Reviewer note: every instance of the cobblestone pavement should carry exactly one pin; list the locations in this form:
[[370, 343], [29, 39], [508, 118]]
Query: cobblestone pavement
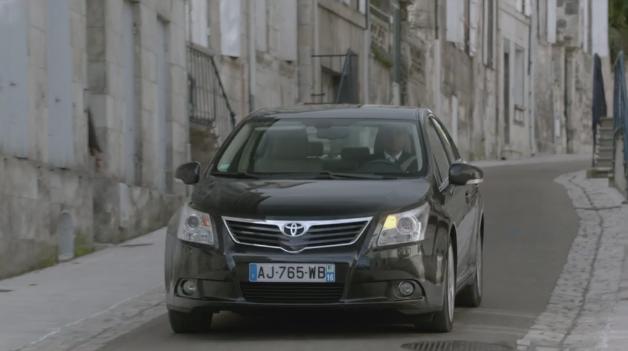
[[588, 308]]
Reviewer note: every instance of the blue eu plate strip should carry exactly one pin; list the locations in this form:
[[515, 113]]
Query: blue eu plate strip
[[252, 272]]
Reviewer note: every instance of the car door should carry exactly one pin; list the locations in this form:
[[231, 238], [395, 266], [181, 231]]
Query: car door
[[468, 202], [453, 197]]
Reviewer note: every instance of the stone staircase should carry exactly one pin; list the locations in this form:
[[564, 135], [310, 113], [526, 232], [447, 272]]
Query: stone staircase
[[603, 154]]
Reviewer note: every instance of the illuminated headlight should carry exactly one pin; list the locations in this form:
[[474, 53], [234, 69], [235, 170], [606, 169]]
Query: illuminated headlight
[[196, 227], [404, 227]]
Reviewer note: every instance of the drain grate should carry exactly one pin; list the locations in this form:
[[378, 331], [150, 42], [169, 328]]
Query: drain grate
[[5, 290], [454, 345]]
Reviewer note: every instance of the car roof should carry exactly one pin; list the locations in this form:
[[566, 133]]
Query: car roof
[[341, 111]]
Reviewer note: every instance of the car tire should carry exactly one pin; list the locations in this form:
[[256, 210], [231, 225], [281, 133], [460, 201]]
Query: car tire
[[184, 323], [471, 295], [443, 320]]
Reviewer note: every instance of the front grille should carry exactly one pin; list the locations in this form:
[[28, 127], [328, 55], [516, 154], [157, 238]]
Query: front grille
[[317, 234], [291, 293]]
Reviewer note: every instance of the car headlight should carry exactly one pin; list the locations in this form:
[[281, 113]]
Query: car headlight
[[404, 227], [196, 226]]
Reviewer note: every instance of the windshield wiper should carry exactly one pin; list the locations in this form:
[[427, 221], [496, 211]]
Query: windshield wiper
[[245, 175], [337, 175]]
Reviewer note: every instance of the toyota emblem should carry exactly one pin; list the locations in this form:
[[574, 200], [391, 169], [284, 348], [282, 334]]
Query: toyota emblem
[[294, 229]]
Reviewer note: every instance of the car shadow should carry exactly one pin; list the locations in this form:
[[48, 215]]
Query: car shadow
[[308, 324]]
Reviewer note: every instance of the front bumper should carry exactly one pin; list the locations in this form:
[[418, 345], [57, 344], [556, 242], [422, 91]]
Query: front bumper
[[365, 278]]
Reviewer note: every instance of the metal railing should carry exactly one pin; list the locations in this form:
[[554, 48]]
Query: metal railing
[[208, 104]]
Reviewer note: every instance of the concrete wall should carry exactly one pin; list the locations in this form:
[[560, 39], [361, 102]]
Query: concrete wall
[[56, 199]]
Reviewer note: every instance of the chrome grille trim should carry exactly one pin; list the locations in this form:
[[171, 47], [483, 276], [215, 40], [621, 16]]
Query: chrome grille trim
[[270, 230]]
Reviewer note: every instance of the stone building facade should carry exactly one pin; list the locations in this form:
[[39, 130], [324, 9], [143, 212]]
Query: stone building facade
[[92, 122], [510, 78]]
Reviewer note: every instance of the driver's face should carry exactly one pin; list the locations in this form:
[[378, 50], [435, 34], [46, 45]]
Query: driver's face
[[395, 141]]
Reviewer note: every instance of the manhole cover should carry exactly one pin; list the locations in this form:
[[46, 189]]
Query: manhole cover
[[454, 345]]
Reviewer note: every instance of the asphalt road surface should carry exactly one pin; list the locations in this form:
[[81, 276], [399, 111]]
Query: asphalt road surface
[[530, 224]]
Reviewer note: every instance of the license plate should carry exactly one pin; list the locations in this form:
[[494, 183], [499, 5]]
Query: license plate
[[292, 272]]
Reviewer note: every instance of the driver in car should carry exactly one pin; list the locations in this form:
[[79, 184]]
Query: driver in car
[[396, 143]]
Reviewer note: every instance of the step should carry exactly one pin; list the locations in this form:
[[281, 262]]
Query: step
[[598, 172]]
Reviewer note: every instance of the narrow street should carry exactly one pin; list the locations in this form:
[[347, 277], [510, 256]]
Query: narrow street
[[531, 224]]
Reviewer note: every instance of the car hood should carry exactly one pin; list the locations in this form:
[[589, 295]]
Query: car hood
[[271, 198]]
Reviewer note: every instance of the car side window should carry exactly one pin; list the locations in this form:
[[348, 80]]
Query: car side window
[[438, 151], [450, 146]]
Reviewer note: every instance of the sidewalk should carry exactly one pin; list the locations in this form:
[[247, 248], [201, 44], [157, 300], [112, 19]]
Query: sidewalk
[[76, 304], [588, 308], [541, 158]]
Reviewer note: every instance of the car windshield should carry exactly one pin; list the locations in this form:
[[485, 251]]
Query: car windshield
[[323, 148]]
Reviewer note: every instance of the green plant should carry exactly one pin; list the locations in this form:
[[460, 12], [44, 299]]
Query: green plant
[[618, 26]]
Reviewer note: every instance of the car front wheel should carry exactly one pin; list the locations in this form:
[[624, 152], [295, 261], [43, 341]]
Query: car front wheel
[[442, 321], [471, 295], [195, 322]]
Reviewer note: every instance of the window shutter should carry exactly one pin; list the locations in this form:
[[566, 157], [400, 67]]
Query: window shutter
[[474, 16], [261, 26], [451, 29], [551, 21], [287, 29], [230, 18]]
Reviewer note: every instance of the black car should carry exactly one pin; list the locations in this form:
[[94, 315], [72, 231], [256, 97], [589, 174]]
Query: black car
[[329, 207]]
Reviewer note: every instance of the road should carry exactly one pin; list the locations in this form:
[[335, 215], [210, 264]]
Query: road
[[530, 224]]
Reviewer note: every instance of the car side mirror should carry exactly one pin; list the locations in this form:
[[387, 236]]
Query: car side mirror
[[189, 173], [465, 174]]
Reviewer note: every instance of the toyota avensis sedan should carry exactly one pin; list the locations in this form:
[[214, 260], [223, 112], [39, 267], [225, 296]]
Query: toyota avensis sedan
[[329, 207]]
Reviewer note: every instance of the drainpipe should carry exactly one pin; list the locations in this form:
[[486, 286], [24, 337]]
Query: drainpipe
[[367, 51], [396, 53], [252, 56]]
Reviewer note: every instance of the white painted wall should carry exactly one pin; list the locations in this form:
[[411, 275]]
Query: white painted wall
[[14, 109]]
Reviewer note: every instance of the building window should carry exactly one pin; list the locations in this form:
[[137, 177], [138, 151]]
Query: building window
[[362, 6], [524, 6], [489, 32]]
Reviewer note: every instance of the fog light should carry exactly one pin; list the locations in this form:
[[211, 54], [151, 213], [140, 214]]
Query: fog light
[[189, 287], [406, 288]]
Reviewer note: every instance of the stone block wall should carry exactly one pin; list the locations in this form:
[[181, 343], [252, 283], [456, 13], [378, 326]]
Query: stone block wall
[[51, 212]]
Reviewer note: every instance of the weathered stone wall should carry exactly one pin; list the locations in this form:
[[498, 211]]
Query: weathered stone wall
[[128, 206], [53, 212], [33, 198]]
